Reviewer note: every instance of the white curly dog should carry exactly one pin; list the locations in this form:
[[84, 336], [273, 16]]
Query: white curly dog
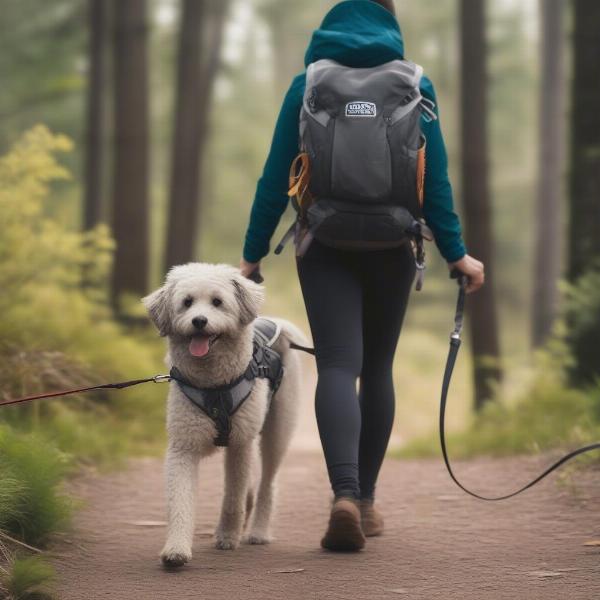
[[207, 311]]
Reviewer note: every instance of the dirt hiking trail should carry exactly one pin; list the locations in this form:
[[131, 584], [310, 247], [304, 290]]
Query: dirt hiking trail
[[438, 542]]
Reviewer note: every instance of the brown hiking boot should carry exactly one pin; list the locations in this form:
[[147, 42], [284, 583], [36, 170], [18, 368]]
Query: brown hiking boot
[[344, 533], [370, 518]]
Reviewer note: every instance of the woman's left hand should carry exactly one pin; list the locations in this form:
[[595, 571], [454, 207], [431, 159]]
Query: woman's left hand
[[473, 269]]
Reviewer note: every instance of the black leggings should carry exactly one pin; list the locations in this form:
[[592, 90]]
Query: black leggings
[[355, 303]]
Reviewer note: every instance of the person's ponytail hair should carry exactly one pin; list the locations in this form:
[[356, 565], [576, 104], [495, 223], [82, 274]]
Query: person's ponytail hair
[[388, 4]]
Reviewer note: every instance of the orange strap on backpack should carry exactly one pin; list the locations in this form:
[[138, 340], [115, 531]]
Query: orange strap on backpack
[[299, 178], [421, 174]]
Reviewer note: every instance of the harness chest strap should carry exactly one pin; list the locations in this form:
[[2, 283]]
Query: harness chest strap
[[221, 403]]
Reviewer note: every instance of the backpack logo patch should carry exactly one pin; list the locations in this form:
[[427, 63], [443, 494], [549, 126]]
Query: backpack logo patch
[[361, 109]]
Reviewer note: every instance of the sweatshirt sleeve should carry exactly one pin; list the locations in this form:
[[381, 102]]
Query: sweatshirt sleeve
[[438, 203], [271, 199]]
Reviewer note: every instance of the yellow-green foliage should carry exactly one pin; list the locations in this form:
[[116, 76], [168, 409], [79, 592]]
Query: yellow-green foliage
[[56, 327], [32, 249], [57, 332]]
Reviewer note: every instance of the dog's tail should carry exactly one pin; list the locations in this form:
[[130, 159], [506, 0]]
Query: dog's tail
[[294, 336]]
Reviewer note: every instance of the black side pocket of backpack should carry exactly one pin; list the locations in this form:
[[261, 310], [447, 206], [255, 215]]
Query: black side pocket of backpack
[[405, 139], [320, 149]]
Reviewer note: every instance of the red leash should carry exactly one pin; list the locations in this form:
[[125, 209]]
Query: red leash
[[106, 386], [113, 386]]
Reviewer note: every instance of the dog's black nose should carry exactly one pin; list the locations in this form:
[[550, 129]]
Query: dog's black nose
[[199, 322]]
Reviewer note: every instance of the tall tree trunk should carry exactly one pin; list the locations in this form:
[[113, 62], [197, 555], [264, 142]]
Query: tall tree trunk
[[476, 196], [548, 247], [583, 316], [131, 151], [200, 42], [92, 212], [584, 235]]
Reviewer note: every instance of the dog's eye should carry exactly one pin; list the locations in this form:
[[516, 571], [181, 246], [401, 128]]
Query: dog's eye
[[217, 301], [188, 301]]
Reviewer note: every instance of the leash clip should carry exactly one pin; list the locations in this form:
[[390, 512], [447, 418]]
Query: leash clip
[[455, 339], [161, 378]]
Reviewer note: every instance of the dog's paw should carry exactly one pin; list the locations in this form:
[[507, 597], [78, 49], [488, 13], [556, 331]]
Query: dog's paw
[[258, 539], [173, 559], [226, 542]]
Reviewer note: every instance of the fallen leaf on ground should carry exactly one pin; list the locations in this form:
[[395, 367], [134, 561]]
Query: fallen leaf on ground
[[545, 574], [592, 543], [288, 571]]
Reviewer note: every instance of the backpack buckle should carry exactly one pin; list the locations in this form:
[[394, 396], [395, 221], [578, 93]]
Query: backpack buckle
[[427, 107], [312, 100], [286, 238]]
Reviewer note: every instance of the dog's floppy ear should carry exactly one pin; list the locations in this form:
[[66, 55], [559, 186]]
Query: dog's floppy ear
[[249, 296], [157, 305]]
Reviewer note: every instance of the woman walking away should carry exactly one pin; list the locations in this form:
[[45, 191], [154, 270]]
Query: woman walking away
[[356, 298]]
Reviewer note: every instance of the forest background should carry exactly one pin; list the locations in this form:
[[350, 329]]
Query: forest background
[[132, 135]]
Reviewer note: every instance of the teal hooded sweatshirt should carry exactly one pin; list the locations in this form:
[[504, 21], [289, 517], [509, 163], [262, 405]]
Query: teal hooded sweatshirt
[[355, 33]]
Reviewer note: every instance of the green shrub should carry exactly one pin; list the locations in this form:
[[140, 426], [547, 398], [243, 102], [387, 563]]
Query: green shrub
[[12, 490], [26, 579], [31, 504]]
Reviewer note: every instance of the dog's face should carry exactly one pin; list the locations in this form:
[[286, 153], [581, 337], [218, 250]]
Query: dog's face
[[202, 303]]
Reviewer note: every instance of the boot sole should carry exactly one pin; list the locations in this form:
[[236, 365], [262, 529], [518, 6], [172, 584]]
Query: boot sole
[[344, 533]]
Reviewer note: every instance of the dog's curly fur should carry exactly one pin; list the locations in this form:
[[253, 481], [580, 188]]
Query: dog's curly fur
[[189, 293]]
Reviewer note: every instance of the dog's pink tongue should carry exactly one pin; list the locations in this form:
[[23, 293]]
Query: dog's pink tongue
[[199, 345]]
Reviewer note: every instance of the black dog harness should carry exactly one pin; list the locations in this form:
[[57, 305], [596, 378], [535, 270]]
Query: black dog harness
[[221, 403]]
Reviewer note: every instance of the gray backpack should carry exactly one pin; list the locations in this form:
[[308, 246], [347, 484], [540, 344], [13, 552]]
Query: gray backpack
[[358, 181]]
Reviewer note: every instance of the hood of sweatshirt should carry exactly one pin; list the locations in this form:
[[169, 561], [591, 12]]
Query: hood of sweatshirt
[[357, 33]]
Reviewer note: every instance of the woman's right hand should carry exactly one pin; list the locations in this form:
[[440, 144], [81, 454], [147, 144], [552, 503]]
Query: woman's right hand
[[247, 268], [473, 269]]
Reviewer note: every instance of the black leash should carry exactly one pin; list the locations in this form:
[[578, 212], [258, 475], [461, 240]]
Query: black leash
[[295, 346], [455, 343]]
